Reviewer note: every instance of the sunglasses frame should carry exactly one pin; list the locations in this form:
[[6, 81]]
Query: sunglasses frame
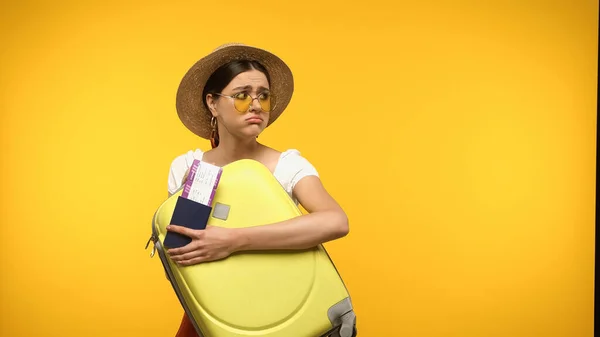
[[251, 101]]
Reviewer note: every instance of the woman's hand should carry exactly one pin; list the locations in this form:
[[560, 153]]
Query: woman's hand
[[210, 244]]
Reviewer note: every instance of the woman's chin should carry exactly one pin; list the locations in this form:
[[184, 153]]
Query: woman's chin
[[252, 131], [249, 134]]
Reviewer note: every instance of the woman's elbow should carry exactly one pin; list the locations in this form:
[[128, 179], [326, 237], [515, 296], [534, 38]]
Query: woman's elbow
[[342, 227]]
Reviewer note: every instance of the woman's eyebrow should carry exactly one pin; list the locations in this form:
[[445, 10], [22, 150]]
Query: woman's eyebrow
[[249, 87], [244, 87]]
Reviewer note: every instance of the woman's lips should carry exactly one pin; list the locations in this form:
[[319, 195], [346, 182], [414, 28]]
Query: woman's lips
[[254, 120]]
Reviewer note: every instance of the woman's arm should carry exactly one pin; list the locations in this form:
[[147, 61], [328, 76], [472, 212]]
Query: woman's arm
[[326, 221]]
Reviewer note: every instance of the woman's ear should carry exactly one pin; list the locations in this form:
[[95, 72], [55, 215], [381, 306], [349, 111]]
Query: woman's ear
[[211, 102]]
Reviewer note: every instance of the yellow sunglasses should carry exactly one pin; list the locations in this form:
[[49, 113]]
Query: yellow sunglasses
[[242, 101]]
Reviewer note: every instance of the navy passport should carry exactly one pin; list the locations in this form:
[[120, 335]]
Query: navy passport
[[190, 214]]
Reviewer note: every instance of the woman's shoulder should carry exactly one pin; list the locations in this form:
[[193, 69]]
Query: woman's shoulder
[[183, 161], [292, 167], [282, 154], [187, 158], [179, 166], [293, 158]]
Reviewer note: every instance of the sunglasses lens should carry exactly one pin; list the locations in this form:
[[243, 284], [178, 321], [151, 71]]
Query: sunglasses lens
[[242, 102], [265, 102]]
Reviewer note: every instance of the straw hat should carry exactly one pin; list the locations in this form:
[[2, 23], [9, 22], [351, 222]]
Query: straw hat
[[190, 103]]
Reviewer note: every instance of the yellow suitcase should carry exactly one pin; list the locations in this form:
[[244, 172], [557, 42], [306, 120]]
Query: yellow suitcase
[[266, 294]]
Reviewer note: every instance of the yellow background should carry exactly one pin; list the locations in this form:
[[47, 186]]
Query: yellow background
[[459, 136]]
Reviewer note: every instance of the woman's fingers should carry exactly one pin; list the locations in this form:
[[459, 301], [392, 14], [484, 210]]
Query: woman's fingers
[[192, 261], [192, 233], [210, 244], [187, 256], [190, 247]]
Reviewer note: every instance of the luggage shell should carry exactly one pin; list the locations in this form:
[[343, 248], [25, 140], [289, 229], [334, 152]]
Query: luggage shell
[[284, 293]]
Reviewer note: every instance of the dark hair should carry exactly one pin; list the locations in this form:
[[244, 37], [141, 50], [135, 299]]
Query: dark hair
[[224, 74]]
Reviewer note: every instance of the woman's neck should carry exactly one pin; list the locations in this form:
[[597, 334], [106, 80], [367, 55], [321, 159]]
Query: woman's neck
[[231, 149]]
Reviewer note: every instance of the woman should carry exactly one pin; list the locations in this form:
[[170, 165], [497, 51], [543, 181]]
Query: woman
[[230, 97]]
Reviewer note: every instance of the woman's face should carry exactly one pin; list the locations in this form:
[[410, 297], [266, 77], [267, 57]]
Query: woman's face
[[249, 92]]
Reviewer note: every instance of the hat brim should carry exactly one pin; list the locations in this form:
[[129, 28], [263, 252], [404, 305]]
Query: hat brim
[[189, 102]]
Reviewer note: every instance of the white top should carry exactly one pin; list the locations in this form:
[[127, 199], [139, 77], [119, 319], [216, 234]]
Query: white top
[[290, 168]]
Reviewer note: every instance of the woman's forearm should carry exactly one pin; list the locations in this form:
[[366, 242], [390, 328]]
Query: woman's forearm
[[302, 232]]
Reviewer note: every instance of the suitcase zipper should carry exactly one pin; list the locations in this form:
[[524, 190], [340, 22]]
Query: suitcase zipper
[[157, 246], [152, 239]]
